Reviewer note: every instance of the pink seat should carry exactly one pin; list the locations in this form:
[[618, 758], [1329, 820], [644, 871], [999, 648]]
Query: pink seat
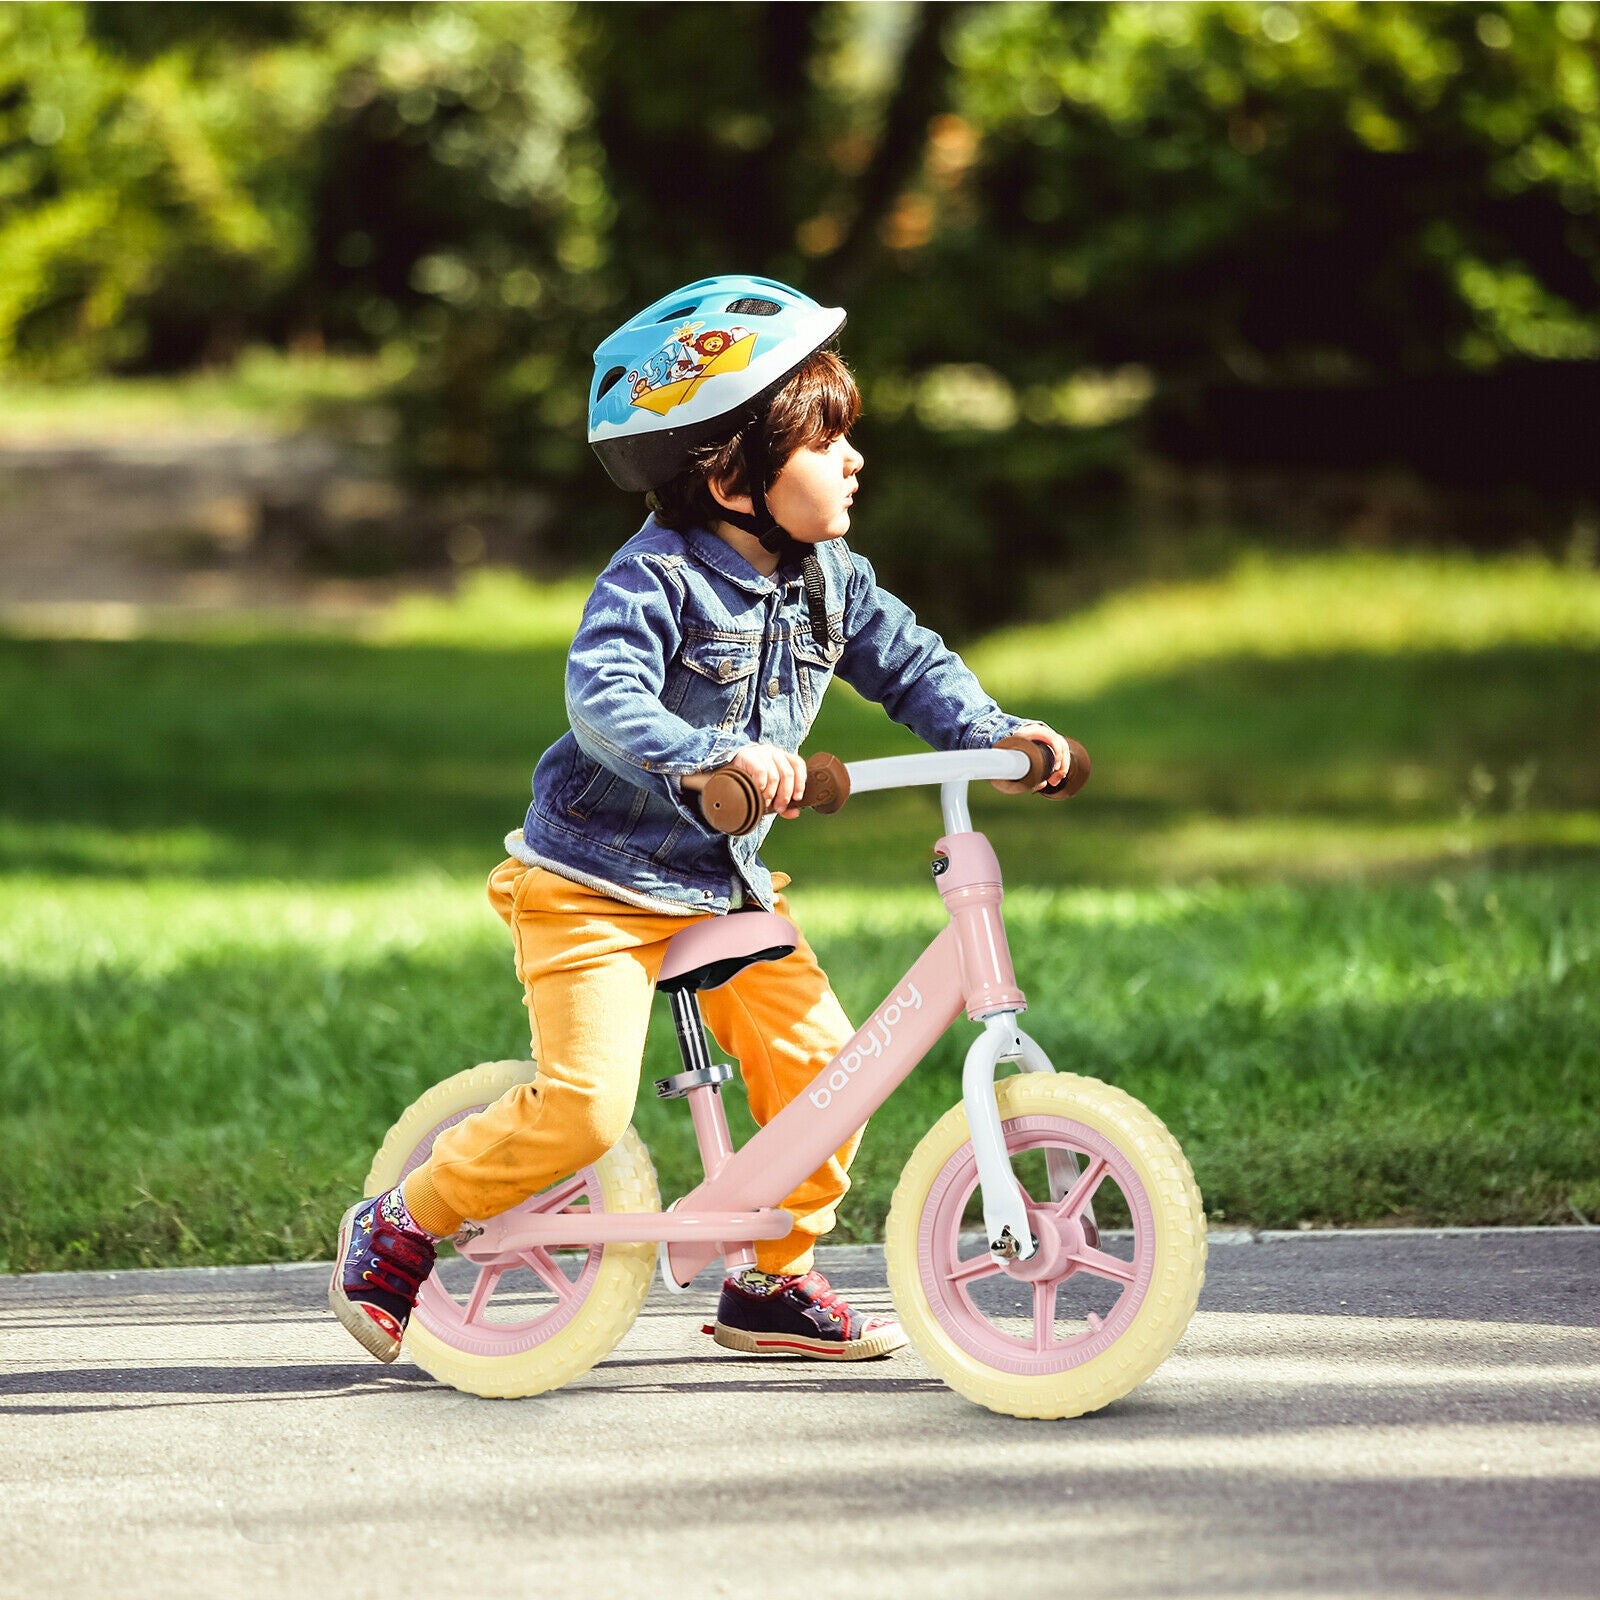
[[710, 952]]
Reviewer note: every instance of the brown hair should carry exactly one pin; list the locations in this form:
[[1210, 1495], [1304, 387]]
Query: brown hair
[[818, 404]]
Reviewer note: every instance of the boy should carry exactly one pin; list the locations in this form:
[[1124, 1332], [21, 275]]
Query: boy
[[708, 641]]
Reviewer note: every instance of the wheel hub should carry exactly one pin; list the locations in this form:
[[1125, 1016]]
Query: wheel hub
[[1057, 1242]]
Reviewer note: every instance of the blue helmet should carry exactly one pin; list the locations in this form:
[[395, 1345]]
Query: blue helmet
[[695, 366]]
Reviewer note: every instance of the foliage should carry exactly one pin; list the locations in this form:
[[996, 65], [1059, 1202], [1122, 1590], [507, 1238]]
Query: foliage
[[1314, 188], [130, 191], [1319, 191], [1041, 216], [172, 187]]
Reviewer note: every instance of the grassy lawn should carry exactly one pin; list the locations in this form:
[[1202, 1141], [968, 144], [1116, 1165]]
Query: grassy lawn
[[1331, 904], [263, 388]]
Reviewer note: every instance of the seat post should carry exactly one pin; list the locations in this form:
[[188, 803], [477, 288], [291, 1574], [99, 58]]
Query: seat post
[[691, 1030], [701, 1085], [705, 1097]]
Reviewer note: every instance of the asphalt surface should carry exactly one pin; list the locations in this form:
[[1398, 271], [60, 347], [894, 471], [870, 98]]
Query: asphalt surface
[[1353, 1414]]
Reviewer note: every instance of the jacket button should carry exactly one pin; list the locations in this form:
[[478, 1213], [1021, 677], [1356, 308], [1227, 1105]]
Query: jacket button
[[772, 689], [724, 670]]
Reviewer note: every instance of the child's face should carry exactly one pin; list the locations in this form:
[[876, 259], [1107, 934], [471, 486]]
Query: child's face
[[812, 494]]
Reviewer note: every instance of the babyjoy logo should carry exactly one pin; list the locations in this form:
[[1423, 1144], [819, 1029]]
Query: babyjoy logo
[[870, 1044]]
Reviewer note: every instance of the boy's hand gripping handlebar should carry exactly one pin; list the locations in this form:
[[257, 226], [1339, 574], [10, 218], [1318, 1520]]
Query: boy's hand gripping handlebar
[[1042, 760], [731, 803]]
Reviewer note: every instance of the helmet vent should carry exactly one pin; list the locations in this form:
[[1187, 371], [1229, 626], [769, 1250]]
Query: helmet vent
[[609, 381], [681, 311], [754, 308]]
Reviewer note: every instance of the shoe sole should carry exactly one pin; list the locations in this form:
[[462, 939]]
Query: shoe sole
[[355, 1321], [882, 1343]]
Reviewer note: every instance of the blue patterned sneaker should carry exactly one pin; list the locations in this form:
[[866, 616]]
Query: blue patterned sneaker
[[382, 1261], [765, 1315]]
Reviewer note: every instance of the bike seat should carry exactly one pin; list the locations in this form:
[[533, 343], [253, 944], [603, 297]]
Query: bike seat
[[710, 952]]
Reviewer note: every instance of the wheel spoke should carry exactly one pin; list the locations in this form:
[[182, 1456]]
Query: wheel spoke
[[1104, 1265], [488, 1279], [1044, 1315], [1082, 1191], [544, 1267], [558, 1198], [979, 1266]]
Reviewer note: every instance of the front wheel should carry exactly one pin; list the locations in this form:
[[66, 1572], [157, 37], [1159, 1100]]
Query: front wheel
[[1090, 1315], [523, 1325]]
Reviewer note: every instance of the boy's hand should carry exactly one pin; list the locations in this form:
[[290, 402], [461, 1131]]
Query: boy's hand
[[1045, 735], [780, 775]]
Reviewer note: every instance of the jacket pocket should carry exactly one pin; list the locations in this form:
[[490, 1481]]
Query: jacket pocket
[[588, 788], [715, 689], [815, 662]]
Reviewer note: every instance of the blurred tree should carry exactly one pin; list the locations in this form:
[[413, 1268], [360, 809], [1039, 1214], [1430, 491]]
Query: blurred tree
[[175, 178], [123, 186], [1360, 238], [757, 137], [1318, 191], [1041, 217]]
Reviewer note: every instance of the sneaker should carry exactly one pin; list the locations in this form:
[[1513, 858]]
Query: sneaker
[[764, 1315], [377, 1276]]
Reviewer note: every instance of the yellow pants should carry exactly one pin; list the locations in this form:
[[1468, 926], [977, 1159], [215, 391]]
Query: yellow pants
[[588, 965]]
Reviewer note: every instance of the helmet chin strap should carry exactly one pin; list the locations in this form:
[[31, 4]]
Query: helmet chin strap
[[777, 539]]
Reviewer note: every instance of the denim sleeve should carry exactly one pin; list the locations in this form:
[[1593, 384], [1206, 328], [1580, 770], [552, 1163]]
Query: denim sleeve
[[616, 670], [909, 670]]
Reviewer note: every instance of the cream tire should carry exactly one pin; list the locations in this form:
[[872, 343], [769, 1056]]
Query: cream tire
[[1168, 1288], [624, 1179]]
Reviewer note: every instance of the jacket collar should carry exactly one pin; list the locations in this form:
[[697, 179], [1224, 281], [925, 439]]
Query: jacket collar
[[723, 559]]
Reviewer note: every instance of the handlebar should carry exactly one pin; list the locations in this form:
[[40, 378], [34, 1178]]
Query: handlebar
[[731, 803]]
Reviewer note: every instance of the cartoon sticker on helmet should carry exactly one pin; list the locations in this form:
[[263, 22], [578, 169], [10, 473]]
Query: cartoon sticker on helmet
[[676, 371]]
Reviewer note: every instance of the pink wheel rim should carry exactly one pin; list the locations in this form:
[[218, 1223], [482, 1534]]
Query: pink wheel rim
[[463, 1322], [948, 1276]]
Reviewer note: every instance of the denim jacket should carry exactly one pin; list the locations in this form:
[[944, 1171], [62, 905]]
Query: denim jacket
[[685, 654]]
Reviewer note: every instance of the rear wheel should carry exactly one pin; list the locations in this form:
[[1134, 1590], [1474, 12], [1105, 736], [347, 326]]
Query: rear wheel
[[539, 1319], [1091, 1314]]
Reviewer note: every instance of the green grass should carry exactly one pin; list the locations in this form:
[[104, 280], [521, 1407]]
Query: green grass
[[264, 388], [1330, 905], [1329, 606]]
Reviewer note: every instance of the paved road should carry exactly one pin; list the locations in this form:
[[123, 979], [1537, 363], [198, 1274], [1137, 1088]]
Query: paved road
[[1349, 1415]]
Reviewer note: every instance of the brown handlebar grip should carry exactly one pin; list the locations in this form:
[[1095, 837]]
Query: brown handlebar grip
[[1079, 770], [827, 784], [1042, 760], [729, 801]]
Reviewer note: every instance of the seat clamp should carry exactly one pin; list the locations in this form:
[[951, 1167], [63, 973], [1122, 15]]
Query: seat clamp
[[681, 1083]]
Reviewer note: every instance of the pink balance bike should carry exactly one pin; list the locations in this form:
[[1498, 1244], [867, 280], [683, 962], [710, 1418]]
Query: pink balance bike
[[1046, 1243]]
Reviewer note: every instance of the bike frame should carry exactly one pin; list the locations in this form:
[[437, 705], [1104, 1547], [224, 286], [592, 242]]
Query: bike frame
[[967, 968]]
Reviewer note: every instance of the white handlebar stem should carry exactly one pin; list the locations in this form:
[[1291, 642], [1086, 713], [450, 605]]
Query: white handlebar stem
[[952, 770]]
